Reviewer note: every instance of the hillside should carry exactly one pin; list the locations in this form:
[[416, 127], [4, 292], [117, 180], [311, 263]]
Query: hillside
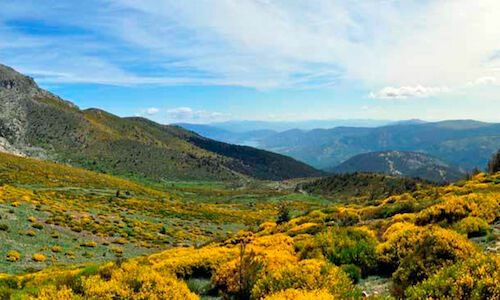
[[464, 143], [72, 215], [401, 163], [36, 123], [361, 187], [439, 242]]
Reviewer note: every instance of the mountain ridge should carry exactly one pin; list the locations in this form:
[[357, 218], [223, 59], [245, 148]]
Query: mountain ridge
[[401, 163], [465, 143], [37, 123]]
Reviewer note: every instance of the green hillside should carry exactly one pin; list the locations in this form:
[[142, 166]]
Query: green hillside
[[361, 187], [401, 163], [36, 123], [73, 216]]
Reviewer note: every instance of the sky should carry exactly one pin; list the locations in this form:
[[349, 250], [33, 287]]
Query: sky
[[204, 61]]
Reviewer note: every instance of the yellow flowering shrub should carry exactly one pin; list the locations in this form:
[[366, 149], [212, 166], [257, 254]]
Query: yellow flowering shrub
[[473, 226], [273, 250], [260, 255], [295, 294], [399, 241], [417, 252], [435, 248], [267, 226], [477, 277], [188, 260], [89, 244], [39, 257], [131, 281], [238, 276], [455, 208], [55, 293], [304, 228], [347, 217], [56, 249], [13, 255], [309, 274]]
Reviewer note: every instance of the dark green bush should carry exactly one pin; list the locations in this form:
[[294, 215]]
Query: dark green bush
[[37, 226], [353, 271]]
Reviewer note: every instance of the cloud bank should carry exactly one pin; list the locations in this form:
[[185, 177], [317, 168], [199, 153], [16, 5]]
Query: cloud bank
[[261, 44], [406, 92]]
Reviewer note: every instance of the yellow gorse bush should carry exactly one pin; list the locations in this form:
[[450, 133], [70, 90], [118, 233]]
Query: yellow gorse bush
[[55, 293], [132, 281], [309, 274], [295, 294], [477, 277], [13, 255], [454, 208]]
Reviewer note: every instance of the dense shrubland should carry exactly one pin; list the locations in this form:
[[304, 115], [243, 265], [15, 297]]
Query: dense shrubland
[[438, 242]]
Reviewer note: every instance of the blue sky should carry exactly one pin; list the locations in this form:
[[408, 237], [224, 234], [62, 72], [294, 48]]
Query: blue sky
[[206, 61]]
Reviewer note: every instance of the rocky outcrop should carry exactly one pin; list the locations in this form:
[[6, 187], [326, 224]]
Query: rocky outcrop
[[17, 94]]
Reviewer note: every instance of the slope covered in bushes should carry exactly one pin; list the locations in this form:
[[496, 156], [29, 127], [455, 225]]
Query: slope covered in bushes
[[443, 244]]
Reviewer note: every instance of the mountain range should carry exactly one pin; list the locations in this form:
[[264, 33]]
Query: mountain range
[[463, 143], [37, 123], [279, 126]]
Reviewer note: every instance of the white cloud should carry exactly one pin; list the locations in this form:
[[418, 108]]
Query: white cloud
[[187, 114], [152, 110], [405, 92], [484, 81], [434, 43], [262, 44]]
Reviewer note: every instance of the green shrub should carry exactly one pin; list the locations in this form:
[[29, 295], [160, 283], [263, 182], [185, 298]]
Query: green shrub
[[37, 226], [4, 227], [283, 213], [344, 246], [348, 218], [353, 271], [473, 227]]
